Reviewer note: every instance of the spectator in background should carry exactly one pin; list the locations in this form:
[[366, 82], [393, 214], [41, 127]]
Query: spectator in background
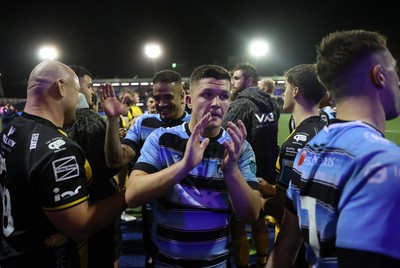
[[8, 114], [345, 205], [327, 105], [186, 88], [169, 99], [268, 85], [47, 215], [258, 111], [195, 190], [150, 104], [89, 131]]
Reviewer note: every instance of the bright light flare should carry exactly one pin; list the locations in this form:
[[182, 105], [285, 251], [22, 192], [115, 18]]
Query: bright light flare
[[48, 53], [152, 51], [259, 48]]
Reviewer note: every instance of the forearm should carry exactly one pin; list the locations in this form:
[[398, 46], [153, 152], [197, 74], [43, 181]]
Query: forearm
[[245, 201], [143, 187], [287, 243], [84, 220], [113, 149]]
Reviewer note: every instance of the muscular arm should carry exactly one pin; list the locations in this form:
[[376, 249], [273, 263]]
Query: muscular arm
[[143, 187], [81, 221], [117, 155]]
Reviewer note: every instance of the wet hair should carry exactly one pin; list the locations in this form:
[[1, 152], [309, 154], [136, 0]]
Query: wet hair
[[304, 76]]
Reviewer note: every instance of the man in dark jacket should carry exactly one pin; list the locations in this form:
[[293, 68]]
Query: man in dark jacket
[[256, 109]]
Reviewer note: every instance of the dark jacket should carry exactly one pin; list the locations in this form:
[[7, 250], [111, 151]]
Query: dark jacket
[[259, 113]]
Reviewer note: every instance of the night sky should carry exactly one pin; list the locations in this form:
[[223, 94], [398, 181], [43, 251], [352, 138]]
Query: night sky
[[109, 38]]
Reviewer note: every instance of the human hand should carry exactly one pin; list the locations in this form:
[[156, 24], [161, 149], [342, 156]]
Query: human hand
[[112, 107], [122, 132], [194, 148], [267, 190], [234, 148]]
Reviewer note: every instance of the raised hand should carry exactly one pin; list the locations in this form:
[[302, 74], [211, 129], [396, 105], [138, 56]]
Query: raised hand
[[195, 148], [112, 107], [234, 148]]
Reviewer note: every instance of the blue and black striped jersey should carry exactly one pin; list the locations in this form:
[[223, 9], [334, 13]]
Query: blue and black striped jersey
[[191, 221]]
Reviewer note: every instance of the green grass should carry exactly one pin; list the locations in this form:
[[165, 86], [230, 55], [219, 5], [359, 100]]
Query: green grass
[[392, 130]]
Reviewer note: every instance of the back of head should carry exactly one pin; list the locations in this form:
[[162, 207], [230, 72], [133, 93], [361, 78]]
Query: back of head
[[248, 70], [52, 91], [268, 85], [340, 51], [304, 76], [209, 71], [186, 88]]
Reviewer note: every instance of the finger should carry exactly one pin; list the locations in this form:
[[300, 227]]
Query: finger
[[237, 131], [242, 128], [236, 140]]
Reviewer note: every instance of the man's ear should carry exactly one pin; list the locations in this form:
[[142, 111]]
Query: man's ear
[[60, 89], [189, 101], [296, 91], [183, 96], [377, 78], [249, 82]]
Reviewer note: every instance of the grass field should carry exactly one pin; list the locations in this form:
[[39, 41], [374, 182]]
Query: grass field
[[392, 129]]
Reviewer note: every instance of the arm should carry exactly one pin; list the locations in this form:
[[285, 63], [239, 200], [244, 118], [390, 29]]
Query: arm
[[143, 187], [245, 201], [81, 221], [117, 154], [287, 243]]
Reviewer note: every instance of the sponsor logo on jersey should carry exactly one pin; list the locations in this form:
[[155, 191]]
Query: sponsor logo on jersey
[[67, 194], [302, 157], [373, 138], [57, 144], [2, 164], [300, 137], [34, 140], [8, 141], [11, 131], [326, 161], [65, 168]]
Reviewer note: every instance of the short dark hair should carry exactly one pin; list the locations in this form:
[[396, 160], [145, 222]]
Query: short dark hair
[[167, 76], [209, 71], [340, 50], [304, 76], [248, 70], [81, 71]]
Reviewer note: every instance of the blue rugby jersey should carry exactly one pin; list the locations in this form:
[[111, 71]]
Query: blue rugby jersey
[[346, 190], [145, 124], [191, 221]]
